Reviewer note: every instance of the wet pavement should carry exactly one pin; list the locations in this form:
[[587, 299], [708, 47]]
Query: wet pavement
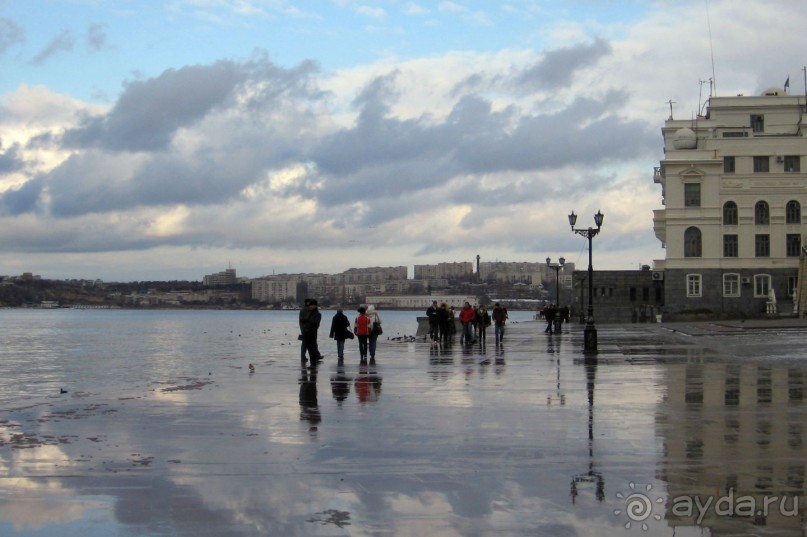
[[674, 429]]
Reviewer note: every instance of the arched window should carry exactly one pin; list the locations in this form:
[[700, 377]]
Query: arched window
[[729, 213], [692, 242], [762, 214], [793, 212]]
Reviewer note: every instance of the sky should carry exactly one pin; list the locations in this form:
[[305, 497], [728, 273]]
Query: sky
[[166, 140]]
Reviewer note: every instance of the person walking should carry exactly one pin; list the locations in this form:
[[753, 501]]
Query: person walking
[[340, 331], [304, 313], [499, 318], [434, 326], [362, 328], [309, 325], [482, 321], [467, 316], [550, 314], [444, 321], [375, 330]]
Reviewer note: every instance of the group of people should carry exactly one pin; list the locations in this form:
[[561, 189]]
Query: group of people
[[366, 328], [474, 320], [553, 315]]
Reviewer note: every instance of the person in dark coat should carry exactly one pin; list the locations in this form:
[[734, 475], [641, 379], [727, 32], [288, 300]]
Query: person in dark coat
[[310, 319], [434, 323], [340, 331], [444, 321]]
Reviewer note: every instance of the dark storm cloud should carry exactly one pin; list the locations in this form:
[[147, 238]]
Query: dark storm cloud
[[267, 127], [10, 159], [22, 200], [387, 156], [149, 112], [10, 34], [61, 43], [556, 68]]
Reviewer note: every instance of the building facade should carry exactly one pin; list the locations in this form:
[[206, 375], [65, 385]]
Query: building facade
[[226, 277], [733, 192], [447, 271], [619, 296]]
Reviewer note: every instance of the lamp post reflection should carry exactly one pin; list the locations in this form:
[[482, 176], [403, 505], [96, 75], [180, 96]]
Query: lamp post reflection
[[591, 476]]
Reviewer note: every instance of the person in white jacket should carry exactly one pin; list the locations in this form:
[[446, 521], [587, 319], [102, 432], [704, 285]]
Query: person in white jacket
[[375, 324]]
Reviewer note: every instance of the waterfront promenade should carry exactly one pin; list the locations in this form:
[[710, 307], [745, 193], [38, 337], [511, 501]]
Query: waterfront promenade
[[526, 438]]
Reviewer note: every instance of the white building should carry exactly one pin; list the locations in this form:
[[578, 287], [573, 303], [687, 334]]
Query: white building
[[733, 191]]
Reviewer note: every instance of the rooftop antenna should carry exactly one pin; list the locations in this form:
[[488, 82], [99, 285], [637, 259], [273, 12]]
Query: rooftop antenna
[[702, 105], [804, 70], [711, 49]]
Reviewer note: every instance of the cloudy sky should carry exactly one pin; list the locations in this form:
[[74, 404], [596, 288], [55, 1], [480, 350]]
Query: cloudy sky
[[167, 140]]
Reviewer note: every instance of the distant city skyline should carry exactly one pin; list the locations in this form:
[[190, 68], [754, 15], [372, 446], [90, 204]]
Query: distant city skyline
[[164, 141]]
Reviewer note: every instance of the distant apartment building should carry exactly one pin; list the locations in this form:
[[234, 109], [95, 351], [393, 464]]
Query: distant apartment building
[[419, 301], [520, 272], [226, 277], [349, 286], [276, 289], [447, 271]]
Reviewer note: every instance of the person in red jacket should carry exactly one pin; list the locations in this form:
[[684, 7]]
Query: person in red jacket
[[467, 316], [362, 328]]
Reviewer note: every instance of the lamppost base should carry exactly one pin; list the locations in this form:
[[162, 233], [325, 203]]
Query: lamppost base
[[590, 338]]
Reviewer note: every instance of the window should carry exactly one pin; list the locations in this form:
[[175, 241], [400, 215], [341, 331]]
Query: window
[[762, 284], [728, 165], [762, 214], [730, 248], [793, 212], [692, 242], [692, 195], [762, 245], [757, 123], [729, 213], [762, 164], [793, 244], [792, 163], [693, 285], [731, 285], [792, 283], [633, 294]]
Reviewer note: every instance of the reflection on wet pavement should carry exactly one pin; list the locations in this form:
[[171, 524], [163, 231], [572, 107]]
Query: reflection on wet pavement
[[671, 430]]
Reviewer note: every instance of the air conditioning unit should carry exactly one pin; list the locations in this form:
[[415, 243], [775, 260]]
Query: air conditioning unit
[[780, 159], [658, 275], [746, 280]]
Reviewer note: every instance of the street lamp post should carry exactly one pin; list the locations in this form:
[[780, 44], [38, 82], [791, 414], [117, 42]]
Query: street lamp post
[[582, 313], [557, 267], [590, 332]]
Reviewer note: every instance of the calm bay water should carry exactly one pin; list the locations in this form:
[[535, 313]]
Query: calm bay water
[[129, 351]]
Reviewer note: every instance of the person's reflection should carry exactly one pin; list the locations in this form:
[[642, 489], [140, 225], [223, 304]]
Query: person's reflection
[[368, 383], [499, 357], [340, 384], [309, 408]]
